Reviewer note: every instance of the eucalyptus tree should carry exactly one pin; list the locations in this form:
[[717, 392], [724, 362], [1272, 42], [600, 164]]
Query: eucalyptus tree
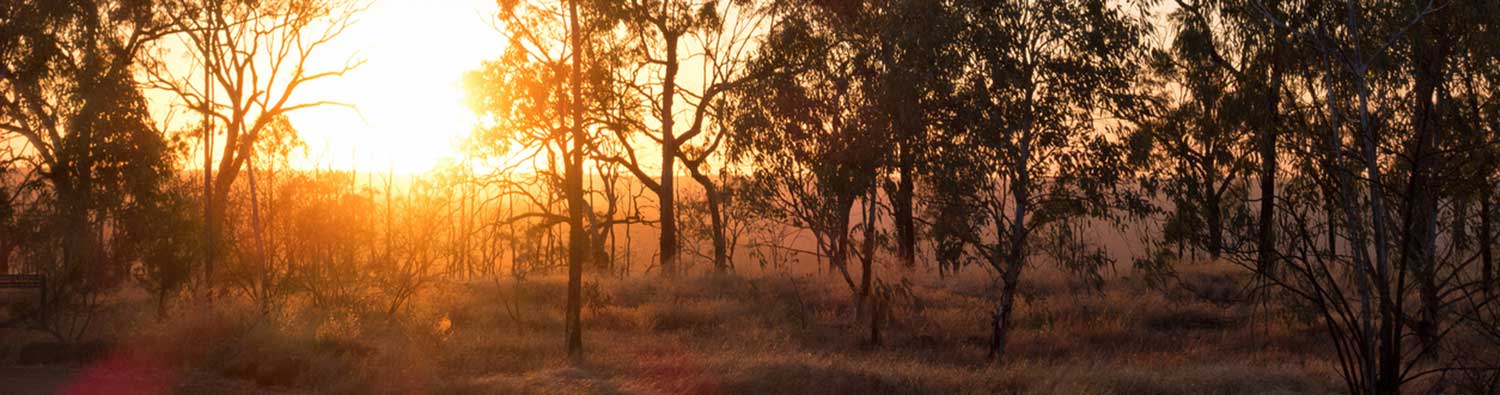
[[239, 64], [1197, 145], [1237, 37], [1047, 84], [1475, 98], [811, 135], [546, 99], [674, 110], [1382, 83], [92, 163], [913, 77]]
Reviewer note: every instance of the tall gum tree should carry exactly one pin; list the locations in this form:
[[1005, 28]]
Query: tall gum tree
[[715, 40], [809, 133], [96, 167], [546, 96], [1048, 76], [239, 64]]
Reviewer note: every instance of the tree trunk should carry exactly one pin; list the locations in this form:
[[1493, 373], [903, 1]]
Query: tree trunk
[[209, 238], [721, 246], [667, 194], [573, 189], [1215, 224], [878, 315], [1015, 257], [1000, 320], [1419, 234], [903, 207], [1486, 242], [1388, 351], [838, 248], [1265, 246], [1333, 241], [867, 256], [716, 218]]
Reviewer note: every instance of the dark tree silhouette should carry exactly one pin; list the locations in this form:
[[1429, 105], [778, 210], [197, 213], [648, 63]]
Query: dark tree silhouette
[[548, 94], [247, 61], [1045, 79], [95, 167]]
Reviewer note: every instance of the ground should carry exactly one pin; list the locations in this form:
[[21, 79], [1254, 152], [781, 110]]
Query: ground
[[712, 334]]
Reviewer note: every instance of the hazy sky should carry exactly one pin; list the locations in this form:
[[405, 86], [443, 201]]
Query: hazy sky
[[408, 92]]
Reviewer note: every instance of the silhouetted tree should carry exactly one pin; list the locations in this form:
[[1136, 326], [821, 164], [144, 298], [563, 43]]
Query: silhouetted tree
[[547, 95], [245, 62], [68, 96], [1197, 146], [1045, 78], [810, 134], [715, 38]]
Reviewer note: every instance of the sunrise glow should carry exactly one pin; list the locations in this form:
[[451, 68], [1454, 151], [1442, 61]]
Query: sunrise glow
[[408, 110]]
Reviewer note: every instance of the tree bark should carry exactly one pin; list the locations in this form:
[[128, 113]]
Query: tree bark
[[903, 207], [1486, 242], [867, 256], [1421, 208], [716, 217], [1015, 256], [1215, 222], [573, 188], [666, 194], [1266, 144]]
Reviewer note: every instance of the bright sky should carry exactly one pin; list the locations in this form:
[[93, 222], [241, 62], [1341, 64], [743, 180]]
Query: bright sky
[[408, 93]]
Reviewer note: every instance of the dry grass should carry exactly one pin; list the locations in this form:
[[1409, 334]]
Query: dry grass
[[732, 335]]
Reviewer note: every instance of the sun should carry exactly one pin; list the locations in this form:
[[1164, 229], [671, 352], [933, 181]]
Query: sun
[[407, 110]]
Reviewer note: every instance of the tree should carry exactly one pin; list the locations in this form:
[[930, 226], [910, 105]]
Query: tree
[[68, 96], [914, 80], [1378, 85], [1235, 37], [545, 95], [1047, 76], [718, 38], [246, 61], [1197, 147], [810, 134]]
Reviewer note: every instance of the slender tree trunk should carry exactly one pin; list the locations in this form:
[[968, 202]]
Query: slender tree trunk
[[721, 246], [716, 217], [1266, 143], [1333, 246], [903, 207], [573, 188], [209, 239], [1486, 238], [1215, 223], [867, 256], [1001, 319], [1015, 256], [1460, 223], [1421, 207], [1486, 242], [1387, 352], [667, 194]]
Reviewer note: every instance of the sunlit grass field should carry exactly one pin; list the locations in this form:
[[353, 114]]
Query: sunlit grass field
[[714, 334]]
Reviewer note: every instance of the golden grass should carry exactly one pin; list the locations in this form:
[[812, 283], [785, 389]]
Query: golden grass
[[740, 335]]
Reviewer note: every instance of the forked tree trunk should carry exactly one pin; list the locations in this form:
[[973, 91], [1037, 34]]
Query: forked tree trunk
[[716, 218], [1015, 256]]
